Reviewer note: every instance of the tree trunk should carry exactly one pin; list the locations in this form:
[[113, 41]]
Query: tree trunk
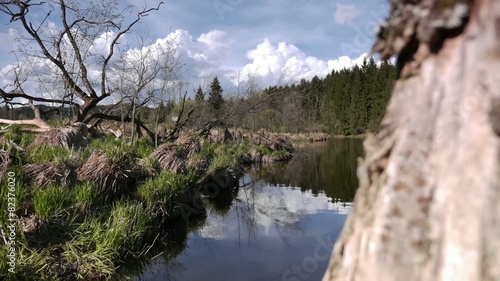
[[428, 205]]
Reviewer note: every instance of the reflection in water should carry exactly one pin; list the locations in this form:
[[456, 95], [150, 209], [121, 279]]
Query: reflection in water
[[279, 224], [328, 168]]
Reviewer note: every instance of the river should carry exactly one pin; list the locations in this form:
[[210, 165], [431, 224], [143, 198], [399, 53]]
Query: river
[[280, 223]]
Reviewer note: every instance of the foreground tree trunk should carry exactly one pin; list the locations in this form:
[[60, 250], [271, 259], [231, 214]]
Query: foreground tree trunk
[[428, 205]]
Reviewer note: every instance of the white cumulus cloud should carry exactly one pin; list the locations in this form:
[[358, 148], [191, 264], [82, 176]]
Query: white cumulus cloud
[[203, 54], [286, 63]]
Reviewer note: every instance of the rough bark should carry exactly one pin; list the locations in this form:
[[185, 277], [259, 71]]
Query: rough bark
[[428, 205]]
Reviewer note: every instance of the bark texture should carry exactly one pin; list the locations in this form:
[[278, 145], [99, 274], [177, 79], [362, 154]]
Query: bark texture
[[428, 205]]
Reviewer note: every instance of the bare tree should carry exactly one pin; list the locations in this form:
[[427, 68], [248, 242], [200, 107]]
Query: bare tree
[[67, 39], [143, 75], [428, 205]]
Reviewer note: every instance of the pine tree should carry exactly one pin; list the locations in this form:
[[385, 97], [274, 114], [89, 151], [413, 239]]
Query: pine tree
[[200, 96], [215, 97]]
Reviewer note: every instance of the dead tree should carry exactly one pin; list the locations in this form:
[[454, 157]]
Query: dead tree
[[68, 47], [428, 204]]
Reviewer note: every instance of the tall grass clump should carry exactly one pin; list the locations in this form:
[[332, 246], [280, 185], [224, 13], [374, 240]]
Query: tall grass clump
[[13, 133], [86, 195], [166, 191], [95, 260], [26, 139], [143, 147], [129, 229], [116, 147], [50, 201], [227, 156], [48, 153]]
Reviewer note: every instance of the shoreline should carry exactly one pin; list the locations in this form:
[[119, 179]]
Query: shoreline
[[83, 212]]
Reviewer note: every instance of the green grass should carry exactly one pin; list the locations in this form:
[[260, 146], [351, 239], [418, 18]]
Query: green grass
[[15, 135], [99, 244], [50, 201], [143, 147], [85, 195], [47, 153], [227, 155], [166, 189], [128, 227], [114, 148], [117, 148]]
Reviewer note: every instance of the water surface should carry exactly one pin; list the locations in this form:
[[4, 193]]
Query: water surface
[[280, 225]]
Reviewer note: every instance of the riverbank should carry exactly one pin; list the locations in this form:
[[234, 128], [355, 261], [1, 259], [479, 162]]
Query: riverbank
[[86, 206]]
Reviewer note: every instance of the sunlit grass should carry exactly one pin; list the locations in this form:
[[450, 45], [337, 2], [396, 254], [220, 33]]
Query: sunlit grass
[[128, 227], [166, 189], [143, 147], [117, 148], [86, 195], [50, 201], [227, 155], [48, 153]]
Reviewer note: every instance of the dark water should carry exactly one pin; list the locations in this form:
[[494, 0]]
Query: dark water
[[280, 223]]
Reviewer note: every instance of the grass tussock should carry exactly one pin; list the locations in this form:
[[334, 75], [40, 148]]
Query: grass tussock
[[44, 174], [66, 137], [113, 175], [226, 156], [114, 147], [173, 157], [50, 201], [100, 243], [86, 195], [166, 192], [128, 227], [15, 135], [45, 153], [5, 162]]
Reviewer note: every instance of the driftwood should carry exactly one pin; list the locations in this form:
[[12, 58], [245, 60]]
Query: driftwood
[[428, 205]]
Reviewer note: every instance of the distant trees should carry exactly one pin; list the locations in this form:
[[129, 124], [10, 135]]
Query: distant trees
[[215, 98], [346, 102]]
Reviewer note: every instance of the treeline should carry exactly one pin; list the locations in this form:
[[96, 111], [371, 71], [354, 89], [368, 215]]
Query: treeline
[[346, 102]]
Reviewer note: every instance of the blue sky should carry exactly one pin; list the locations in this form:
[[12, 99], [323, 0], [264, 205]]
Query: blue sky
[[270, 39]]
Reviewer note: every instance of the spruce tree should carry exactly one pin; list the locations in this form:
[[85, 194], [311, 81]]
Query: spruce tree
[[200, 96], [215, 97]]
